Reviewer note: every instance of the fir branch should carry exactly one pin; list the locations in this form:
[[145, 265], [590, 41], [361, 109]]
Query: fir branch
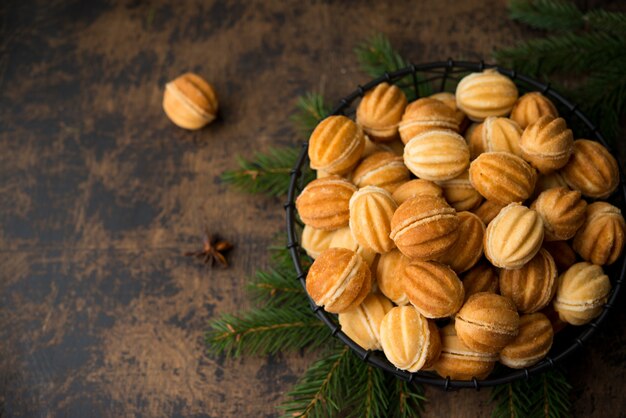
[[311, 108], [511, 400], [570, 52], [322, 391], [266, 330], [560, 15], [407, 399], [613, 22], [549, 395], [370, 394], [376, 56], [277, 287], [266, 173]]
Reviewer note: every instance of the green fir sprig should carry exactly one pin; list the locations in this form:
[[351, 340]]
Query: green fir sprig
[[376, 56], [311, 108], [587, 50]]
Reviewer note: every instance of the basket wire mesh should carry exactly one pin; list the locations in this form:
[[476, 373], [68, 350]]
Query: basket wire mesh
[[443, 75]]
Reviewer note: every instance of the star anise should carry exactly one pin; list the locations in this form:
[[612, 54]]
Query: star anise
[[213, 250]]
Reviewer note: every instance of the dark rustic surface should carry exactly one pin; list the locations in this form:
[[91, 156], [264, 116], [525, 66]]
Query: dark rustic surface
[[100, 195]]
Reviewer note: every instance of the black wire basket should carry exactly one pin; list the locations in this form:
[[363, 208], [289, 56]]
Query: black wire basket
[[420, 80]]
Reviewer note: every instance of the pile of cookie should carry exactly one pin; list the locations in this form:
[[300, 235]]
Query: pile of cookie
[[477, 206]]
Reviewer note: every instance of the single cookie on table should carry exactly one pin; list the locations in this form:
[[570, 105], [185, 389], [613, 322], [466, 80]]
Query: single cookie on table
[[513, 237], [457, 361], [424, 227], [487, 322], [408, 339], [343, 238], [485, 94], [460, 193], [495, 134], [425, 115], [450, 100], [547, 144], [530, 107], [581, 293], [325, 203], [362, 323], [416, 187], [502, 177], [601, 238], [532, 343], [562, 211], [380, 111], [436, 155], [383, 169], [339, 280], [468, 248], [336, 145], [483, 277], [371, 210], [531, 287], [487, 211], [315, 241], [562, 253], [390, 276], [591, 170], [433, 288]]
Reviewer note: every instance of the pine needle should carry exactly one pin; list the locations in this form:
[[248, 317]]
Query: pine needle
[[266, 330], [277, 287], [559, 15], [266, 173], [407, 399], [311, 108], [376, 56], [613, 22]]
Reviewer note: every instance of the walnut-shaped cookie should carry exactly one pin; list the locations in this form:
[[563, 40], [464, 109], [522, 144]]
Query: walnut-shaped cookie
[[591, 170], [459, 362], [416, 187], [436, 155], [362, 323], [485, 94], [487, 211], [513, 237], [562, 253], [450, 100], [371, 210], [601, 238], [425, 115], [380, 111], [405, 336], [532, 286], [325, 203], [460, 193], [339, 280], [383, 169], [390, 276], [424, 227], [548, 181], [315, 241], [502, 177], [343, 238], [487, 322], [483, 277], [530, 107], [468, 248], [562, 211], [532, 343], [493, 135], [581, 294], [336, 145], [433, 288], [547, 144]]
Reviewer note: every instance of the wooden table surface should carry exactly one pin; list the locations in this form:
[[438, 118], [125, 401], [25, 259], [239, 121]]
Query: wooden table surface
[[101, 315]]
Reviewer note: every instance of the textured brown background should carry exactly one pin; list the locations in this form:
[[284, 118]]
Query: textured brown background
[[100, 315]]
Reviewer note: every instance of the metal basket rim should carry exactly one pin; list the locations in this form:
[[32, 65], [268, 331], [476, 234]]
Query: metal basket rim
[[378, 359]]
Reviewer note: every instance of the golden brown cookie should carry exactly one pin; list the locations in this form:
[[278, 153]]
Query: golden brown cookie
[[562, 253], [488, 210], [390, 276], [460, 193], [383, 169], [450, 100], [380, 111], [425, 115], [547, 144], [339, 280], [371, 210], [336, 145], [325, 203], [433, 288], [483, 277], [468, 248], [416, 187], [457, 361], [562, 211], [591, 170], [532, 343], [362, 323], [494, 135], [315, 241], [343, 238], [436, 155], [485, 94], [530, 107], [601, 238], [502, 177]]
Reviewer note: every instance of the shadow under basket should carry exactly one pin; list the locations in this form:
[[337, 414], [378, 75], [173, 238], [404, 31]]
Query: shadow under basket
[[419, 81]]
